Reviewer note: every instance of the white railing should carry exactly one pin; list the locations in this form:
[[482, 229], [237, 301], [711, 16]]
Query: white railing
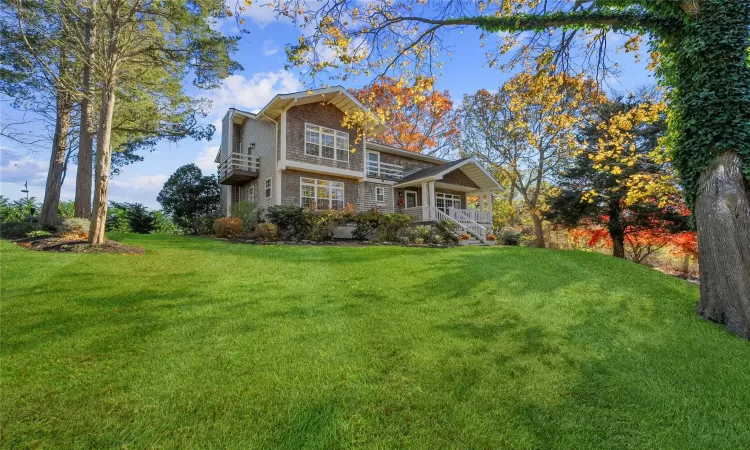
[[473, 214], [238, 161], [465, 224], [375, 169]]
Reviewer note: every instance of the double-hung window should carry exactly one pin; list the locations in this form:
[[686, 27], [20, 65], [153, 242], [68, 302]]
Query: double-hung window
[[268, 187], [321, 194], [380, 194], [326, 142]]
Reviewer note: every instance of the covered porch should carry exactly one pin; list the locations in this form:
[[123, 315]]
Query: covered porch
[[441, 193]]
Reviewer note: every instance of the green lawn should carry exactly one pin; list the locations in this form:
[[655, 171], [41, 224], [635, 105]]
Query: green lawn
[[206, 344]]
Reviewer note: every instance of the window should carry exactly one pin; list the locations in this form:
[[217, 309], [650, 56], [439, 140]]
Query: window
[[373, 164], [445, 201], [326, 142], [321, 194], [380, 195], [411, 199], [251, 193], [268, 188], [236, 194]]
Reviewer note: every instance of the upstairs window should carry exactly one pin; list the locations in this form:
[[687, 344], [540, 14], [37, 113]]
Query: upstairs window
[[326, 142]]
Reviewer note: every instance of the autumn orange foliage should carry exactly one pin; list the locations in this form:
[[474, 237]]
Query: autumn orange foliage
[[419, 118]]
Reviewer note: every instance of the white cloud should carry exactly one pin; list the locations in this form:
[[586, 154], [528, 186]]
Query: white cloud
[[205, 160], [263, 15], [252, 93], [22, 170], [141, 183], [269, 48]]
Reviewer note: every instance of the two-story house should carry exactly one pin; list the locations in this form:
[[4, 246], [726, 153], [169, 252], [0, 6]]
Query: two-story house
[[295, 151]]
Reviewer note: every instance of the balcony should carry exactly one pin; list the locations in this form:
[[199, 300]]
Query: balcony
[[384, 171], [238, 169]]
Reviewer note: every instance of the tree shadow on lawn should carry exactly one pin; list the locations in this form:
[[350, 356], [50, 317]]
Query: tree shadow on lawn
[[580, 353]]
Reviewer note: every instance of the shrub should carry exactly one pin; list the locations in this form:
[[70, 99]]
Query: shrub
[[366, 222], [248, 212], [419, 241], [510, 236], [291, 221], [74, 227], [163, 224], [266, 231], [38, 233], [228, 227], [203, 225], [117, 218], [447, 230], [16, 230], [464, 237], [323, 223], [491, 237], [422, 232], [392, 226]]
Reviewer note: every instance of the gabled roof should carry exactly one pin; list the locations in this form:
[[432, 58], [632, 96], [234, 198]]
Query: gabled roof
[[336, 95], [469, 166]]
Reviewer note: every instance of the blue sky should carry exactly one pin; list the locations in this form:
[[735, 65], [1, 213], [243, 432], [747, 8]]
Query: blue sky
[[261, 52]]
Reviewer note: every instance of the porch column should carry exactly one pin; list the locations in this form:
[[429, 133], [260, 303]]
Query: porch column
[[425, 202], [489, 208], [431, 186], [481, 201]]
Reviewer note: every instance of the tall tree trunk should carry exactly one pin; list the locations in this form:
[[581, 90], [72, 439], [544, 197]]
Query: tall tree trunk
[[48, 215], [538, 230], [616, 230], [82, 207], [103, 163], [722, 212]]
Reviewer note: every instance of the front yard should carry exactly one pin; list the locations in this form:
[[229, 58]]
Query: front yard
[[207, 344]]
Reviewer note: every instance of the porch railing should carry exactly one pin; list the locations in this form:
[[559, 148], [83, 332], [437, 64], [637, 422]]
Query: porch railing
[[238, 161], [473, 214], [376, 169], [465, 224]]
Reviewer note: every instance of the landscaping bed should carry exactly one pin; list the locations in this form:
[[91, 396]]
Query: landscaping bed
[[75, 245]]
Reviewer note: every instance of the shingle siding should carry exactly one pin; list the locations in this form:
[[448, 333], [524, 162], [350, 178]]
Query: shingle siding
[[459, 178], [368, 199], [325, 115]]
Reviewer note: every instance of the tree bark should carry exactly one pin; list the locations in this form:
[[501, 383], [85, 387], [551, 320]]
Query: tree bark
[[538, 230], [103, 163], [722, 211], [82, 206], [48, 215], [616, 230]]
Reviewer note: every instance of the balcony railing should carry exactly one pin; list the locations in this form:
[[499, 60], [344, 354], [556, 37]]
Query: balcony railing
[[376, 169], [238, 168]]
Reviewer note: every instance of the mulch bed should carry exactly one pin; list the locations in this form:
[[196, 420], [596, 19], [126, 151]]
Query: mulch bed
[[68, 245]]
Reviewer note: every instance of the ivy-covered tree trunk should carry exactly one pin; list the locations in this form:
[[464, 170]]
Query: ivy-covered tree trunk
[[722, 211], [711, 75], [48, 215]]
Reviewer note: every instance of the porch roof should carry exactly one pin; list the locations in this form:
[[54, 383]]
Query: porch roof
[[469, 166]]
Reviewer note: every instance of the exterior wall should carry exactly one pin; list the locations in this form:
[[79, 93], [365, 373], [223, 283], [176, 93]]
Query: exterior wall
[[263, 135], [368, 200], [290, 186], [325, 115], [459, 178]]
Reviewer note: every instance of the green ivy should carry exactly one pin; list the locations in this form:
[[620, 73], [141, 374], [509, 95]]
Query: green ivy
[[706, 66]]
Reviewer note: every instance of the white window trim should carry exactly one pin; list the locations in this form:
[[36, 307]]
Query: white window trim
[[367, 162], [416, 198], [379, 189], [268, 187], [320, 143], [251, 193], [315, 187]]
